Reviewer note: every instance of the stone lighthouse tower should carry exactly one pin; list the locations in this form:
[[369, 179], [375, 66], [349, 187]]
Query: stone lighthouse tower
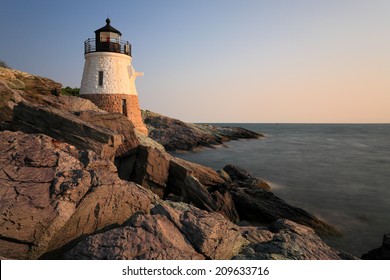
[[108, 77]]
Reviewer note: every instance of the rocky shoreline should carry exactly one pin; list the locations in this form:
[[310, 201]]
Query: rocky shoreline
[[176, 135], [80, 183]]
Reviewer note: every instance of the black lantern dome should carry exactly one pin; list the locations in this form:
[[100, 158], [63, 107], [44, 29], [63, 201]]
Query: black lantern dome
[[107, 31], [107, 39]]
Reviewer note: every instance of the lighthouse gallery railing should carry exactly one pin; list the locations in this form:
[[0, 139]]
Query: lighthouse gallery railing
[[118, 46]]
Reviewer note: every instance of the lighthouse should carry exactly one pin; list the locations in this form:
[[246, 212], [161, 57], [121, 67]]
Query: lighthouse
[[109, 78]]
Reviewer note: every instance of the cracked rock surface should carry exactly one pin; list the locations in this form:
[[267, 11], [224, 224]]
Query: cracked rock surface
[[180, 231], [52, 193], [172, 231]]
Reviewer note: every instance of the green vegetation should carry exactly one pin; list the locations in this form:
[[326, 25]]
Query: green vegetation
[[4, 64], [70, 91]]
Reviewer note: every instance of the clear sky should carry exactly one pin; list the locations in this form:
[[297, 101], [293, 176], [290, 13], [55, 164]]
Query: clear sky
[[222, 60]]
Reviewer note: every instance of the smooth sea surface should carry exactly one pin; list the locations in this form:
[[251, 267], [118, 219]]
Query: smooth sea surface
[[338, 172]]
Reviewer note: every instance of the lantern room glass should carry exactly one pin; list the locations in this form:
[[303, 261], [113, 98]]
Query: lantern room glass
[[109, 37]]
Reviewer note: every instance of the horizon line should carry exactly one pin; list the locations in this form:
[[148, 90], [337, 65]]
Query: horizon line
[[277, 123]]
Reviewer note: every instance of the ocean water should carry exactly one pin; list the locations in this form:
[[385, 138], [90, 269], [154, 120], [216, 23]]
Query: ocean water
[[338, 172]]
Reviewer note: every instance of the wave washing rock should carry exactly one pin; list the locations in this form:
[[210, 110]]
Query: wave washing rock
[[52, 193], [174, 134], [254, 203]]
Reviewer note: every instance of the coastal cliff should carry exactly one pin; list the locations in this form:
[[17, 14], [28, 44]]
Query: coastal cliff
[[77, 182]]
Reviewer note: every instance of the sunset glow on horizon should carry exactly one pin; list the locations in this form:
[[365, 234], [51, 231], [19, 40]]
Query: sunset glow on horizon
[[222, 61]]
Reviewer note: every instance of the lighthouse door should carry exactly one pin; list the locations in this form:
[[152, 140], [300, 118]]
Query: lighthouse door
[[124, 107]]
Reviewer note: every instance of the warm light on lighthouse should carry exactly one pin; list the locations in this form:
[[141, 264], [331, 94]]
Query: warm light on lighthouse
[[108, 77]]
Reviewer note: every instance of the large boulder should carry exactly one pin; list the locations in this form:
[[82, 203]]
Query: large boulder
[[172, 231], [206, 175], [67, 127], [144, 237], [63, 102], [116, 123], [150, 169], [209, 233], [286, 240], [199, 185], [52, 193], [148, 154], [225, 204], [184, 185]]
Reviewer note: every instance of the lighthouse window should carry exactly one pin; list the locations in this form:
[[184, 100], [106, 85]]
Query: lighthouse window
[[100, 78], [124, 107]]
